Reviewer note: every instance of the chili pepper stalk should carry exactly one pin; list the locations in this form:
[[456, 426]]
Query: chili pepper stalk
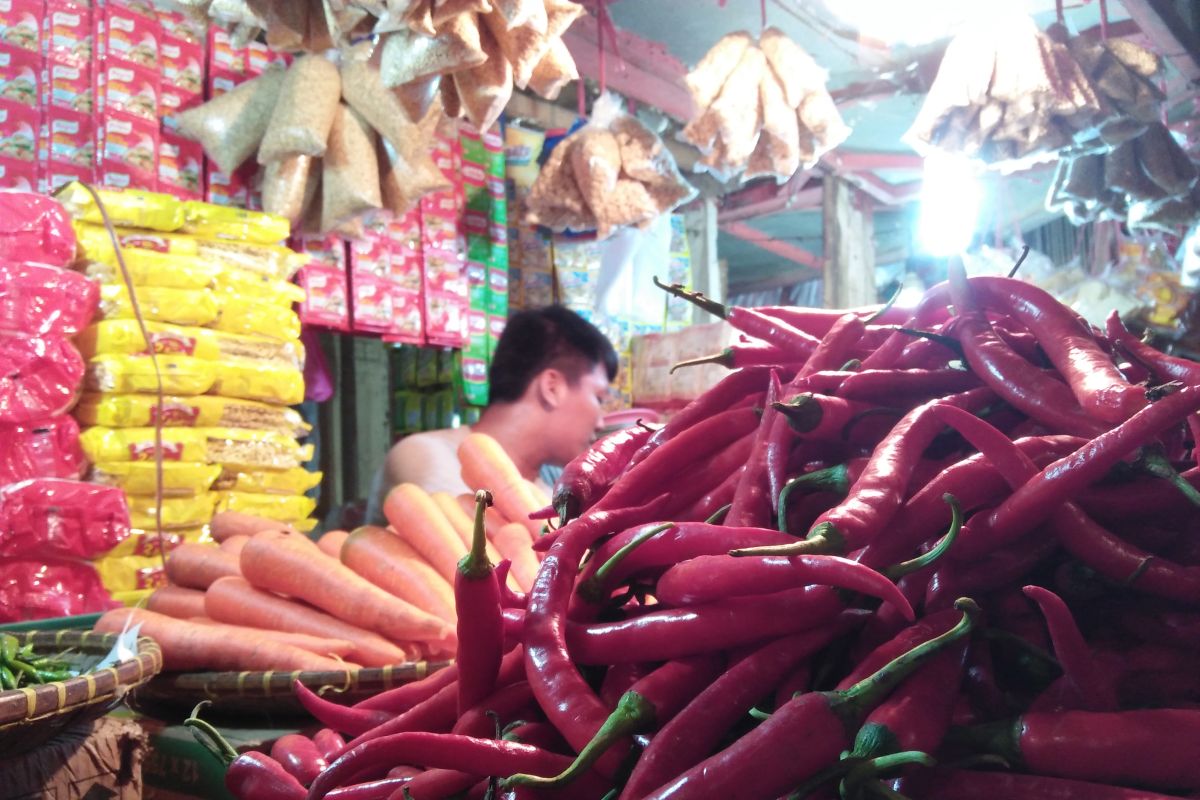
[[480, 628]]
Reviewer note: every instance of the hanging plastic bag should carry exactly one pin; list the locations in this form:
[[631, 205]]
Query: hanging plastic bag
[[231, 127], [301, 119], [350, 173]]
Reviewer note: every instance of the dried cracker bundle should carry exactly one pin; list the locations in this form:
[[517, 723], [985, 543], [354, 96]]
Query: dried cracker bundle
[[763, 108], [230, 127], [613, 172], [308, 101]]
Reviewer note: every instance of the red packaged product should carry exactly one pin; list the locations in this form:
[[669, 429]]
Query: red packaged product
[[43, 588], [56, 517], [71, 137], [19, 131], [37, 299], [70, 86], [324, 280], [36, 228], [183, 64], [407, 320], [130, 88], [129, 158], [44, 448], [19, 26], [39, 377], [18, 175], [20, 75], [130, 34], [68, 32], [180, 167]]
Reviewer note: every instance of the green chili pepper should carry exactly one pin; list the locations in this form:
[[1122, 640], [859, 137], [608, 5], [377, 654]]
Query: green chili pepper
[[7, 679], [8, 647]]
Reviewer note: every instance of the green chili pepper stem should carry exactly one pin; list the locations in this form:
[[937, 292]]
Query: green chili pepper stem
[[940, 549], [718, 515], [721, 359], [874, 740], [891, 301], [592, 589], [209, 737], [824, 776], [802, 412], [695, 298], [1156, 464], [758, 714], [823, 538], [948, 342], [867, 693], [993, 738], [830, 479], [1020, 260], [633, 713], [861, 777], [853, 365], [506, 733], [475, 564]]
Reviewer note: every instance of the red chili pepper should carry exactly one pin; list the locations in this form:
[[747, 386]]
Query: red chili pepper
[[432, 784], [929, 311], [802, 737], [1139, 499], [509, 597], [751, 504], [588, 476], [880, 491], [480, 630], [1145, 747], [1021, 384], [680, 632], [1165, 367], [345, 719], [1036, 499], [381, 789], [795, 682], [819, 416], [835, 346], [714, 500], [708, 579], [405, 696], [698, 728], [299, 756], [1093, 690], [329, 742], [742, 354], [480, 720], [435, 750], [819, 321], [924, 629], [256, 776], [995, 570], [957, 784], [886, 385], [650, 703], [618, 680], [773, 330]]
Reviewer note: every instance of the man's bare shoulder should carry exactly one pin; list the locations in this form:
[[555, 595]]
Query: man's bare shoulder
[[428, 459], [446, 439]]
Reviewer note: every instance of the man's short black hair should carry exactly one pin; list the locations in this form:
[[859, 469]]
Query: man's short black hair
[[543, 338]]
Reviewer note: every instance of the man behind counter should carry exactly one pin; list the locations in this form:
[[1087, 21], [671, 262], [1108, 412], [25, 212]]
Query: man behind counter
[[549, 376]]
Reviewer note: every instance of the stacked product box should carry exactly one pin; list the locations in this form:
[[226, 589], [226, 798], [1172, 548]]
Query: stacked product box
[[407, 268], [181, 160], [21, 87], [324, 280], [51, 522], [370, 264], [443, 285], [213, 287]]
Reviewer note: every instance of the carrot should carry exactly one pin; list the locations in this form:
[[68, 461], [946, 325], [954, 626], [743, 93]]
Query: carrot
[[232, 523], [493, 520], [320, 645], [463, 524], [176, 601], [236, 601], [514, 543], [234, 544], [538, 495], [196, 566], [418, 521], [331, 543], [385, 560], [299, 570], [191, 646], [485, 465]]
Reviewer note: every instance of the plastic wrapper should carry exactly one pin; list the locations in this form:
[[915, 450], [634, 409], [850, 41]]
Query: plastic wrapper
[[122, 574], [188, 511], [148, 268], [124, 373], [350, 172], [254, 380], [95, 244], [289, 185], [306, 525], [485, 90], [63, 518], [39, 377], [179, 478], [226, 222], [234, 447], [279, 507], [409, 56], [130, 208], [202, 411], [37, 299], [274, 481], [148, 543], [257, 287], [35, 228], [252, 317], [124, 337], [179, 306], [41, 588], [308, 101], [230, 127], [44, 448]]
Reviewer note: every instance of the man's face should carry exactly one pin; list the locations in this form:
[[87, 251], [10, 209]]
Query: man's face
[[577, 418]]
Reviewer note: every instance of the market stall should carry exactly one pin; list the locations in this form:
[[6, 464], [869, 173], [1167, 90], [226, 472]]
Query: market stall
[[534, 398]]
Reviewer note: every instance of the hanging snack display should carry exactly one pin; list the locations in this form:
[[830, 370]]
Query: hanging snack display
[[763, 108], [612, 172]]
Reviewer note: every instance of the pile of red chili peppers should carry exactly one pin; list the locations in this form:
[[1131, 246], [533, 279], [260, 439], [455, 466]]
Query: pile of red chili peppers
[[760, 599]]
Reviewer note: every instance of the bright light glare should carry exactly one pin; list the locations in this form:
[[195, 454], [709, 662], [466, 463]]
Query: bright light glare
[[950, 200], [911, 22]]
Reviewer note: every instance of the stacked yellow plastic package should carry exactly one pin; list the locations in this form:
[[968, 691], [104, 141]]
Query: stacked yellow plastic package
[[213, 288]]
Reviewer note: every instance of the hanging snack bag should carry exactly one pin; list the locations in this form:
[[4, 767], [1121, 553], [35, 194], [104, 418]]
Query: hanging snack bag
[[301, 119], [350, 174], [232, 126]]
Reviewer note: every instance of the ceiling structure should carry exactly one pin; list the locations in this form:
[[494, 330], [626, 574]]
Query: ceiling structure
[[772, 235]]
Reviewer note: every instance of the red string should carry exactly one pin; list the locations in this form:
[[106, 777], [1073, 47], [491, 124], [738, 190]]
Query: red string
[[602, 19], [1104, 19]]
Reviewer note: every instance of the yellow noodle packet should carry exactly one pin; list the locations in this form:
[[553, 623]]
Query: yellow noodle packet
[[279, 507], [131, 208], [258, 286], [124, 337], [177, 512], [147, 544], [272, 260], [202, 411], [239, 224], [180, 478], [248, 315], [94, 243], [305, 525], [179, 306], [255, 380], [235, 447], [132, 374], [126, 575], [268, 481], [148, 268]]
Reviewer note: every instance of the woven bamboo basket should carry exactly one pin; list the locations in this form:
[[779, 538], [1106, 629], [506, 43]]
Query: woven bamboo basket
[[32, 715], [271, 692]]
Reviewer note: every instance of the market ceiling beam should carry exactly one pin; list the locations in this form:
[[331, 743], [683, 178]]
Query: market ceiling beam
[[764, 241], [766, 198], [1170, 35], [637, 68]]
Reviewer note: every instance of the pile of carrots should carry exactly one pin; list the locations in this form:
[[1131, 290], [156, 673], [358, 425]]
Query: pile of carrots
[[269, 598], [951, 559]]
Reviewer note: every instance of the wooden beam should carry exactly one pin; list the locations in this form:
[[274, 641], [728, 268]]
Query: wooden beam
[[763, 199], [849, 226], [764, 241], [1170, 35]]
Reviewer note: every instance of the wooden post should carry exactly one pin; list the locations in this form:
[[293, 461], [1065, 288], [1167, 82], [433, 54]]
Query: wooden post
[[849, 233], [708, 273]]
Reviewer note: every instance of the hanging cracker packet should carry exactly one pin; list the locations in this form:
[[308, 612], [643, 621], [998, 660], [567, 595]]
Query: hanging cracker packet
[[288, 187], [350, 174], [308, 101], [230, 127], [408, 56], [555, 70], [485, 89]]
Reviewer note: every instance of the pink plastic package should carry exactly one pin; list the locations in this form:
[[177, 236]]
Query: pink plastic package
[[44, 448], [37, 299], [35, 228], [43, 588], [61, 518], [39, 377]]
